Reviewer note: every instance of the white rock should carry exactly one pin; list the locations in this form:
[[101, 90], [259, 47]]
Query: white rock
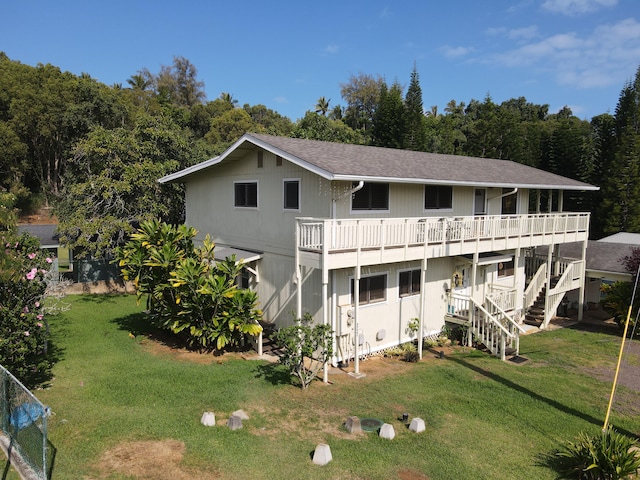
[[242, 414], [417, 425], [322, 454], [387, 431], [208, 419]]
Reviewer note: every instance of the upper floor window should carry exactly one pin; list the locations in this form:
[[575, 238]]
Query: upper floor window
[[372, 289], [246, 194], [372, 196], [292, 194], [409, 282], [438, 197]]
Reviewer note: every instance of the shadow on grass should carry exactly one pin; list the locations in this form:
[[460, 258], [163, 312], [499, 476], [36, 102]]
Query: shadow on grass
[[98, 298], [549, 401], [274, 373]]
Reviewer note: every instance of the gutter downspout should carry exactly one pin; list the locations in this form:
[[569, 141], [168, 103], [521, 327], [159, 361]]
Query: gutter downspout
[[334, 293]]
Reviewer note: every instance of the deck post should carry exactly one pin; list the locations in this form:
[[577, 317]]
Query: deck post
[[583, 280]]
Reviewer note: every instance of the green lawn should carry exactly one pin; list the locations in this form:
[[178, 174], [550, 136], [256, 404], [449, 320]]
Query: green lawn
[[485, 418]]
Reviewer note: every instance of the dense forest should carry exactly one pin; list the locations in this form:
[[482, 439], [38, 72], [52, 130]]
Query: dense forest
[[93, 152]]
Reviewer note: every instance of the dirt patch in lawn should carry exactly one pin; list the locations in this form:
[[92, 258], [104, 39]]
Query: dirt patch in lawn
[[411, 475], [166, 347], [150, 460]]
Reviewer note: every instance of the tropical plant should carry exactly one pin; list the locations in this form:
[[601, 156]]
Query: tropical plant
[[607, 455], [23, 328], [322, 107], [188, 292], [306, 348]]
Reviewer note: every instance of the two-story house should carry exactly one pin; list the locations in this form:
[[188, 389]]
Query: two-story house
[[369, 239]]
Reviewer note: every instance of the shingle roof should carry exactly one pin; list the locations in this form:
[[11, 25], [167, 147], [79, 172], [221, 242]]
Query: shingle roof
[[45, 233], [340, 161], [601, 256]]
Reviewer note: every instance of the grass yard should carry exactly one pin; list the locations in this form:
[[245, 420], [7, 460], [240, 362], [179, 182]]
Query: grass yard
[[126, 407]]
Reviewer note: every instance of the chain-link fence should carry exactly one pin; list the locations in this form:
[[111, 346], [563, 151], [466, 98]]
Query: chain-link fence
[[23, 429]]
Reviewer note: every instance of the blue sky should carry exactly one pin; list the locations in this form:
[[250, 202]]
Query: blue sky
[[287, 54]]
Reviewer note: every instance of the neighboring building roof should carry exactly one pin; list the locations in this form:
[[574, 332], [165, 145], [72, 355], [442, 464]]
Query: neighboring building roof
[[46, 234], [602, 257], [623, 237], [340, 161]]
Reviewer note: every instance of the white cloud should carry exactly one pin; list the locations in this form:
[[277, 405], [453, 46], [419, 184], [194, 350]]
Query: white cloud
[[598, 59], [384, 13], [455, 52], [331, 49], [526, 33], [576, 7], [280, 99]]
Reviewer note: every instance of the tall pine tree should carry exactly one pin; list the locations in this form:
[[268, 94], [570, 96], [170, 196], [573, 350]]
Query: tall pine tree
[[415, 135], [620, 205]]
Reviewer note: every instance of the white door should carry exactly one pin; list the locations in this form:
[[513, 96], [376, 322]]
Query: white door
[[480, 201]]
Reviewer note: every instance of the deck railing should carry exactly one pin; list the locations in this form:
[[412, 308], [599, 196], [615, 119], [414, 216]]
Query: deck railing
[[350, 234]]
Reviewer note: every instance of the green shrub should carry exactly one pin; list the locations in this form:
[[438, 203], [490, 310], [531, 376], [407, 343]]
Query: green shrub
[[23, 328], [607, 455], [189, 293], [305, 348], [411, 356]]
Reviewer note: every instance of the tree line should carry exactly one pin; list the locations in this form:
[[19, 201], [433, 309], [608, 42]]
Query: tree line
[[94, 152]]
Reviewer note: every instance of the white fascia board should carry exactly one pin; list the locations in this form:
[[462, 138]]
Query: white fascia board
[[426, 181], [172, 177], [245, 138]]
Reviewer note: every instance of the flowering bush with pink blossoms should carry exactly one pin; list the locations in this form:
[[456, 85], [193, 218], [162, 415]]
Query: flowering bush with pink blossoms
[[23, 328]]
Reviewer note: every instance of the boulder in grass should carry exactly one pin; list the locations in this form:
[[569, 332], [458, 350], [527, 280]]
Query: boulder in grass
[[241, 414], [353, 425], [417, 425], [208, 419], [322, 454], [387, 431], [234, 422]]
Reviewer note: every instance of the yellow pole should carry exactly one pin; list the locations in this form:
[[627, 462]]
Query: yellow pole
[[615, 378], [624, 336]]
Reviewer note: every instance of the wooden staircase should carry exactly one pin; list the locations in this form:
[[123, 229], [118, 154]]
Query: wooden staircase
[[534, 314]]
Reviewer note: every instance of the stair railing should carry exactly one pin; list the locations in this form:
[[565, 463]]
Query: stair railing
[[538, 281], [508, 322], [570, 280], [489, 331]]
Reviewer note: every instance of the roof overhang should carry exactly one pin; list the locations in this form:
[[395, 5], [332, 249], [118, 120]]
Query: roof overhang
[[243, 256], [182, 175]]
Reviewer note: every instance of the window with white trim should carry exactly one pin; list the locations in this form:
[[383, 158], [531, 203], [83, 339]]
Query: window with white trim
[[245, 194], [409, 282], [373, 289], [372, 196], [505, 269], [438, 197], [291, 194]]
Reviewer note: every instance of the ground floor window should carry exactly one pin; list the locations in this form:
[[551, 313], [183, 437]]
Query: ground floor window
[[505, 269], [409, 282], [373, 289]]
